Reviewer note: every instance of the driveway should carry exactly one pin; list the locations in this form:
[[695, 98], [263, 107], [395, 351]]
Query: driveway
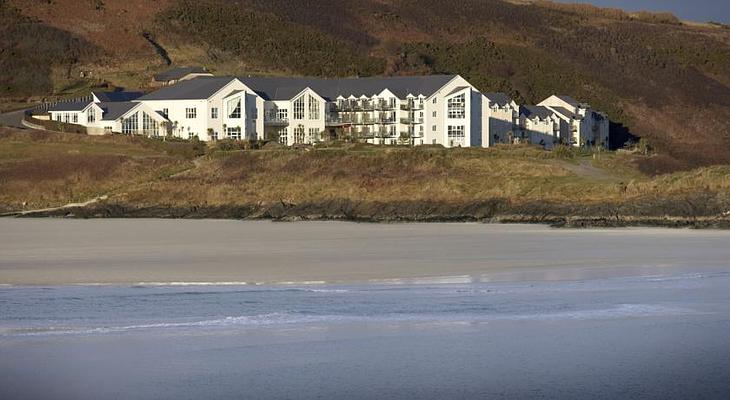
[[12, 119]]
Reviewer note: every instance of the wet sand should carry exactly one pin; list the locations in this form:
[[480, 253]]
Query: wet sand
[[57, 251]]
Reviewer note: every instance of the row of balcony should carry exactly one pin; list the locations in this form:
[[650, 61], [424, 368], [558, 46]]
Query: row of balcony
[[359, 105], [351, 120], [385, 133], [356, 105]]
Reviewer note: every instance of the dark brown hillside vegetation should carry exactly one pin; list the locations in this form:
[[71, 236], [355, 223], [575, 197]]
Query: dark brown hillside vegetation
[[30, 52]]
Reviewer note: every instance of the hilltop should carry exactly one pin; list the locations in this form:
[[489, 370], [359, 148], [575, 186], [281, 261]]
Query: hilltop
[[657, 77]]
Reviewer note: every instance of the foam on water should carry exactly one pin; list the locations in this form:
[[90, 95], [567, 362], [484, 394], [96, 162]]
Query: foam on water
[[281, 319]]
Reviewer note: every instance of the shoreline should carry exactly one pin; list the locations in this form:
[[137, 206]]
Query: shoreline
[[493, 211]]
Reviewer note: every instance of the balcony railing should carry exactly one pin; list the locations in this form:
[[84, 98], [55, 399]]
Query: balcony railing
[[276, 121], [411, 105], [411, 120], [384, 106], [333, 120]]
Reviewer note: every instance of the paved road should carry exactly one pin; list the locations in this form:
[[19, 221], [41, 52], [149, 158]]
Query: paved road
[[12, 118]]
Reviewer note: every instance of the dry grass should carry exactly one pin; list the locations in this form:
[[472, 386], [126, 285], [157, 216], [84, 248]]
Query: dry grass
[[520, 174], [45, 169]]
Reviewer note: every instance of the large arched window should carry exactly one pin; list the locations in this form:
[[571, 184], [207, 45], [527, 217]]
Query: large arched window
[[234, 108], [298, 108], [457, 106], [130, 125], [313, 107]]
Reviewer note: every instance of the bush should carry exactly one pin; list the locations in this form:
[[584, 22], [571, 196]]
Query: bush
[[57, 126], [237, 145], [565, 152]]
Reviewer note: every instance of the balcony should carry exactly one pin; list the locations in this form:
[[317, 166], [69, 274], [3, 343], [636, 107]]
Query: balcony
[[412, 106], [333, 120], [365, 133], [384, 106], [411, 120], [276, 121], [383, 119], [367, 120]]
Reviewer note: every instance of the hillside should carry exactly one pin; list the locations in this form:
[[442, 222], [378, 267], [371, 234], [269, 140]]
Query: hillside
[[148, 178], [657, 77]]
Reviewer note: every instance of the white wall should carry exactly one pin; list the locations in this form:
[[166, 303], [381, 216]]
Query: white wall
[[498, 125]]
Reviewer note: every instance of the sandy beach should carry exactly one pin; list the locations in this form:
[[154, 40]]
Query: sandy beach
[[58, 251]]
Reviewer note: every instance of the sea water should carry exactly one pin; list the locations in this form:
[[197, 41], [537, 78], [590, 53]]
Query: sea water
[[658, 336]]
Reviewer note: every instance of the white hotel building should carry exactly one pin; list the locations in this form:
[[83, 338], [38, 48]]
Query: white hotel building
[[416, 110]]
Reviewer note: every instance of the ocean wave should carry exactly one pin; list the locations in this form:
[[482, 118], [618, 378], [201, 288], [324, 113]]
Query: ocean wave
[[283, 319], [231, 283]]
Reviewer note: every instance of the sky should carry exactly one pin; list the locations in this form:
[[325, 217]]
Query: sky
[[694, 10]]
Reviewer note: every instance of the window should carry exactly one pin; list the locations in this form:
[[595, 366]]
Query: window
[[433, 114], [456, 135], [107, 129], [282, 114], [213, 136], [58, 117], [130, 125], [299, 134], [90, 115], [234, 108], [283, 136], [456, 106], [313, 135], [234, 133], [165, 112], [214, 113], [313, 108], [192, 135], [299, 108], [66, 117], [433, 128], [149, 125], [191, 113], [434, 102], [392, 102], [75, 118]]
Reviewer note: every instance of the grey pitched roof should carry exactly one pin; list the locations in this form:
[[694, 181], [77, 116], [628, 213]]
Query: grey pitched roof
[[234, 93], [500, 99], [114, 110], [568, 99], [457, 89], [105, 97], [177, 73], [536, 111], [70, 106], [564, 111], [278, 88], [193, 89]]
